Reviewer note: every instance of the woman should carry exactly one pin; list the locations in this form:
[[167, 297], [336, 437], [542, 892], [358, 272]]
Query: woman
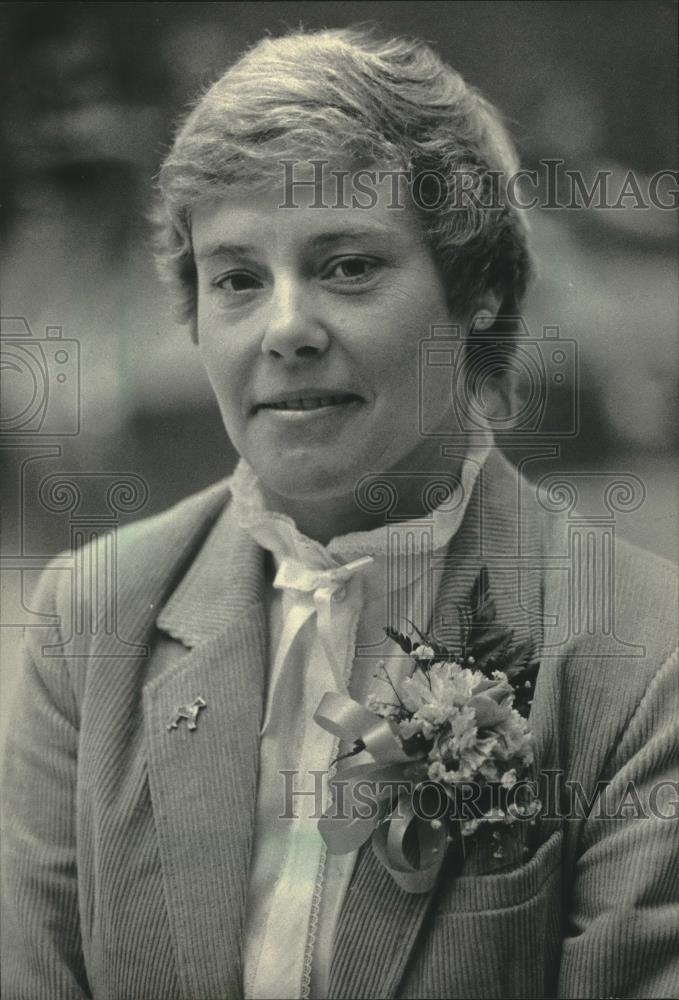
[[155, 840]]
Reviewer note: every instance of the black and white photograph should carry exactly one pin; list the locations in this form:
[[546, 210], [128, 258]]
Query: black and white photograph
[[339, 505]]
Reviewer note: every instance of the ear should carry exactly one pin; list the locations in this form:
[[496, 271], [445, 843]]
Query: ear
[[485, 312]]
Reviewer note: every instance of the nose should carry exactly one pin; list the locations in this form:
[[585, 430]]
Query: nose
[[293, 331]]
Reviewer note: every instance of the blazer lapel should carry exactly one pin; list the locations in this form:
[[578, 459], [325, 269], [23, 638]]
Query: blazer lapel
[[377, 930], [203, 781], [502, 530], [379, 924]]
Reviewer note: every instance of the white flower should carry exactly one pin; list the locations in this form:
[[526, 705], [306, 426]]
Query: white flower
[[494, 816], [408, 728], [436, 694], [489, 770], [527, 809], [384, 709], [460, 738], [473, 758], [422, 653], [469, 719], [437, 771], [462, 744], [514, 740]]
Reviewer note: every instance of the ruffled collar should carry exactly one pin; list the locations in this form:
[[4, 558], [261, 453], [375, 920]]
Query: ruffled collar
[[279, 534]]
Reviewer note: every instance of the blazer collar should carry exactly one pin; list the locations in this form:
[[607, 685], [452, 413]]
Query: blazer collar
[[224, 581]]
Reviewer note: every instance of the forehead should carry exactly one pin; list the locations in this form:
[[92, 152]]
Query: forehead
[[358, 204]]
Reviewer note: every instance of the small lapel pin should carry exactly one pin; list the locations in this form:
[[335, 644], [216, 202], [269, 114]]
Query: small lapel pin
[[188, 712]]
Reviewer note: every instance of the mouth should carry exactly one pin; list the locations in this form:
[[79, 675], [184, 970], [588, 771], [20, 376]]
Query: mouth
[[308, 401]]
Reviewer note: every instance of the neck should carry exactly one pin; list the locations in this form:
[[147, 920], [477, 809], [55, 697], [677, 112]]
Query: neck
[[383, 498]]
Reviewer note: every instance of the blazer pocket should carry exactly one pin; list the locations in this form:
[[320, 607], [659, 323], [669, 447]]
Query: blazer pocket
[[494, 936], [469, 893]]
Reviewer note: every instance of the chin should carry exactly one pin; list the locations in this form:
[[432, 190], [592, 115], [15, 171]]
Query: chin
[[297, 479]]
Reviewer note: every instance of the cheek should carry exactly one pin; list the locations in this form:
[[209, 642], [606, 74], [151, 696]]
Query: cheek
[[399, 374], [221, 357], [221, 374], [399, 359]]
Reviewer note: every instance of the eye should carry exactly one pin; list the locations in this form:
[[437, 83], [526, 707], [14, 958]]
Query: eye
[[237, 282], [351, 269]]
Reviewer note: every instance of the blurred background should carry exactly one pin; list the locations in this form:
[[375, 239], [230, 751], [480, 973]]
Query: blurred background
[[91, 92]]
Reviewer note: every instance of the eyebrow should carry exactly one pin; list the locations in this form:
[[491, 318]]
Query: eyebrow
[[222, 249], [319, 242], [369, 232]]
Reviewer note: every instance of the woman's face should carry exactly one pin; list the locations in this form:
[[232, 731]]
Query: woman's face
[[309, 324]]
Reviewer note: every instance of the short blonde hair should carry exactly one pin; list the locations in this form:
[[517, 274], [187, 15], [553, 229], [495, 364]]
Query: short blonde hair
[[354, 96]]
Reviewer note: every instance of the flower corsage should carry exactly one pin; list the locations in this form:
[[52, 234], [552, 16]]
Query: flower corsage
[[444, 760]]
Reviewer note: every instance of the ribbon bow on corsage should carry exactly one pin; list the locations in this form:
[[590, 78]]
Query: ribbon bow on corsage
[[386, 772]]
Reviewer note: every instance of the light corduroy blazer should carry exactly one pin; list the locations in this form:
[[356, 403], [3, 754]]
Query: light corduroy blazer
[[126, 845]]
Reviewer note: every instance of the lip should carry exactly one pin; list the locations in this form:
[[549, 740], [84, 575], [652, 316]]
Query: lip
[[318, 400]]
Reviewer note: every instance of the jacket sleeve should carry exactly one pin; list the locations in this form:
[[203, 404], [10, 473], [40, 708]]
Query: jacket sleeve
[[622, 935], [41, 945]]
